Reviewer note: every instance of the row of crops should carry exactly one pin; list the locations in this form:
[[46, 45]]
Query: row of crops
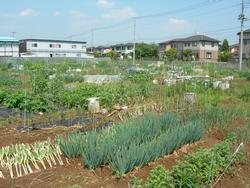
[[199, 169], [135, 143], [23, 159]]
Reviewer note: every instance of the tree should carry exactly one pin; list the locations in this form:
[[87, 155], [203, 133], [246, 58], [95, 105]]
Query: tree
[[113, 54], [225, 46], [172, 54], [187, 54], [147, 51], [225, 54]]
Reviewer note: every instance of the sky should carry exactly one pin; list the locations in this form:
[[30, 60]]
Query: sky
[[106, 22]]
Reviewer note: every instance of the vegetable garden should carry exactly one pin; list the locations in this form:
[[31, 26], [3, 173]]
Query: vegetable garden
[[146, 119]]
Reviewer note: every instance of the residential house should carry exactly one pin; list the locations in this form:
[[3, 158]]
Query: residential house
[[52, 48], [9, 47], [246, 44], [235, 49], [203, 47], [123, 49]]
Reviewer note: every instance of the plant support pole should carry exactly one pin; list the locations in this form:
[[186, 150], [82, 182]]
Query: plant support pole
[[230, 162]]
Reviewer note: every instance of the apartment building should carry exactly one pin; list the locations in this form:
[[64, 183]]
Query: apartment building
[[9, 47], [123, 49], [52, 48]]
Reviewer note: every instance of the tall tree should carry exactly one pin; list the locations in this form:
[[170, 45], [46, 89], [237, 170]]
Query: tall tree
[[225, 46], [225, 54]]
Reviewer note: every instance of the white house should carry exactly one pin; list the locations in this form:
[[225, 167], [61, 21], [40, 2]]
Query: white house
[[52, 48], [9, 47]]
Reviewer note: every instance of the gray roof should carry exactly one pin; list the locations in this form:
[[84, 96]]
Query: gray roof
[[245, 31], [199, 38], [49, 40], [192, 39], [173, 40]]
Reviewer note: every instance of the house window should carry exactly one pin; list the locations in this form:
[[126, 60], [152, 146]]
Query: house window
[[203, 43], [55, 45], [245, 42], [194, 43], [34, 45], [73, 46], [212, 44], [83, 47], [189, 44], [209, 55]]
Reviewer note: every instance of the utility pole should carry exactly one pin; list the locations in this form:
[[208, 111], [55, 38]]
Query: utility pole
[[92, 40], [134, 40], [242, 18], [13, 34]]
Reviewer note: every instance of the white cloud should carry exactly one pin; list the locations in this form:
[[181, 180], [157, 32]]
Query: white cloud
[[28, 12], [104, 3], [76, 14], [123, 13], [56, 13], [176, 22]]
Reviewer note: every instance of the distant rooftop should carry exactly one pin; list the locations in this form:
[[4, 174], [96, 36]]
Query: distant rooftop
[[53, 40], [192, 39], [8, 39], [245, 31]]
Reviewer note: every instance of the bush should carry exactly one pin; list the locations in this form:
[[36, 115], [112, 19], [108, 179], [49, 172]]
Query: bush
[[159, 177]]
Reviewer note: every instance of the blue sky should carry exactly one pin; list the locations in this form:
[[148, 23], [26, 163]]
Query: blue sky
[[74, 19]]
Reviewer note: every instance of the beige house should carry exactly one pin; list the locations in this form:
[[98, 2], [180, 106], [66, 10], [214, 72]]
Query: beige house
[[203, 47]]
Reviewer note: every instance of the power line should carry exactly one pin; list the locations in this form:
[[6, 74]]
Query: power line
[[183, 9]]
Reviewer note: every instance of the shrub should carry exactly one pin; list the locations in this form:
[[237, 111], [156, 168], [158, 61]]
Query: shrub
[[159, 177]]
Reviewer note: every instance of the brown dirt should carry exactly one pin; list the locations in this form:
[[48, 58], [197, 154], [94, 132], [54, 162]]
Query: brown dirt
[[75, 173]]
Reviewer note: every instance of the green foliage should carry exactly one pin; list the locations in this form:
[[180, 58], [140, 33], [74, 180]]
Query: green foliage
[[225, 56], [135, 143], [187, 54], [15, 100], [146, 51], [171, 54], [6, 80], [159, 177], [199, 169], [113, 55], [136, 182], [225, 46], [72, 147], [141, 77]]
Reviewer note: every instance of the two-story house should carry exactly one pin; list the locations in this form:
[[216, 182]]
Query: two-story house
[[52, 48], [246, 44], [123, 49], [9, 47], [203, 47]]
